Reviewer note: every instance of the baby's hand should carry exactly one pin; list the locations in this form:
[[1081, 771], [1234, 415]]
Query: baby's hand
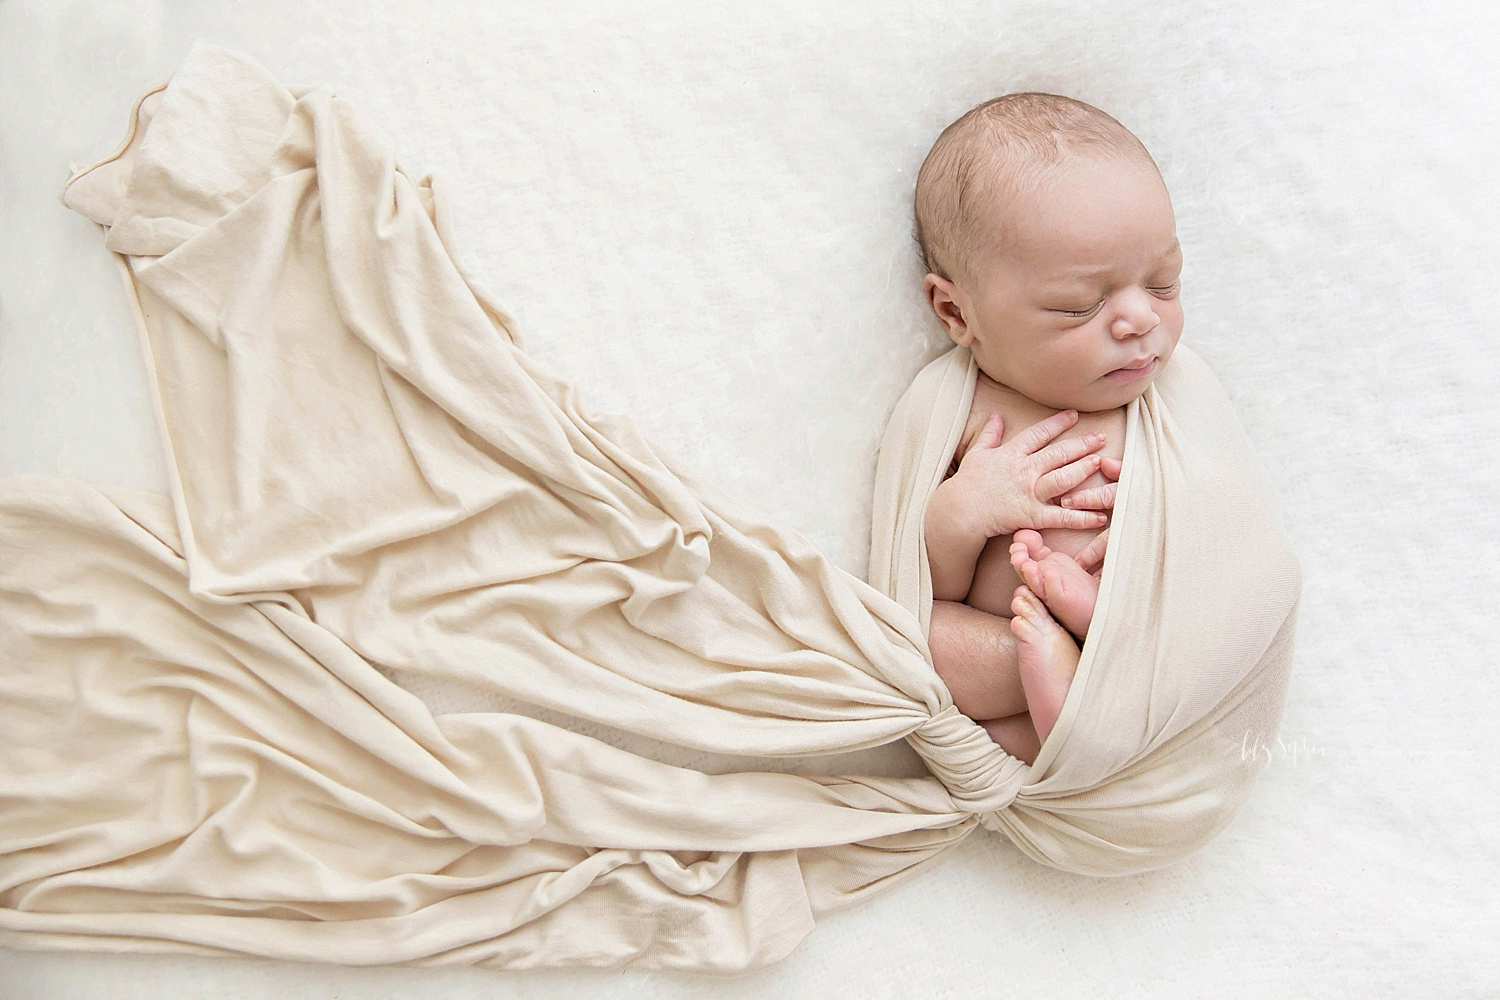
[[1008, 487], [1091, 559]]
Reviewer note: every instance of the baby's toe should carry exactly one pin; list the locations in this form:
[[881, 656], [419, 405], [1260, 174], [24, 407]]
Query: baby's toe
[[1019, 556], [1035, 576], [1021, 602], [1029, 538], [1026, 604]]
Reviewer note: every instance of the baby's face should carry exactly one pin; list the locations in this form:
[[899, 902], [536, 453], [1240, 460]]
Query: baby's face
[[1084, 311]]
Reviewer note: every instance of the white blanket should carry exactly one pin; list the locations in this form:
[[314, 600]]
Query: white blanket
[[732, 193]]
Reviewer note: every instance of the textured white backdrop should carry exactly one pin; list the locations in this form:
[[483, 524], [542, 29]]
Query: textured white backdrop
[[699, 214]]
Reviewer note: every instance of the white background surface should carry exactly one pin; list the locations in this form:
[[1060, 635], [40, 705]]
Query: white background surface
[[700, 215]]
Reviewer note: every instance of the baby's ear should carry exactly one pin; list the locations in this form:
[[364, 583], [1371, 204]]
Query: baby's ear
[[943, 297]]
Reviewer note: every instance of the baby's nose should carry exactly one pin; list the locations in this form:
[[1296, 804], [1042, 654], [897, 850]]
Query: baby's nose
[[1136, 315]]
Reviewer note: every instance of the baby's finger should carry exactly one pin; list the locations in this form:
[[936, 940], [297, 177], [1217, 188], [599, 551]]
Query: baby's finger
[[1043, 431], [1048, 516], [1060, 453], [1098, 498], [992, 431], [1066, 478], [1111, 468], [1093, 553]]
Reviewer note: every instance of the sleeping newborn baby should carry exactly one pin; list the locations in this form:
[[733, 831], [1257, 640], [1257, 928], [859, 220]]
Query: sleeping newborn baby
[[1053, 256]]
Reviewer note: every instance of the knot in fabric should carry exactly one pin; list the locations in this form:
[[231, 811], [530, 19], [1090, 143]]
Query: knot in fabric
[[981, 777]]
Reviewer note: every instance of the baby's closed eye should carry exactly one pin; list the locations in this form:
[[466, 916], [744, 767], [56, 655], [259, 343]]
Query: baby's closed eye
[[1161, 291], [1082, 312]]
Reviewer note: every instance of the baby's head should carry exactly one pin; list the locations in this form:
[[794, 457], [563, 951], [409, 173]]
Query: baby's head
[[1052, 250]]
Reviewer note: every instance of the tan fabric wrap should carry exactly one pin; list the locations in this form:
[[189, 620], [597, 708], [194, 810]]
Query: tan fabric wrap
[[198, 753]]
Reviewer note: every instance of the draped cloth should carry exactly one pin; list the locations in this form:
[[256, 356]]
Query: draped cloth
[[201, 746]]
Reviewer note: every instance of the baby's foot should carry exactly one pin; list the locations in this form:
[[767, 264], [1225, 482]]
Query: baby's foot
[[1046, 656], [1066, 588]]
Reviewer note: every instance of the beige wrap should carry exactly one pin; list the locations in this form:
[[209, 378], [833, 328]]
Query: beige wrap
[[197, 750]]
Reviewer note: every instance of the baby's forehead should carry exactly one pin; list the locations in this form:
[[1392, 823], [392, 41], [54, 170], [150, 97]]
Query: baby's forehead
[[1092, 225], [1009, 188]]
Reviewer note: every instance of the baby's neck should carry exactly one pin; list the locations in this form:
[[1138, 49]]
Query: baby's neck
[[989, 383]]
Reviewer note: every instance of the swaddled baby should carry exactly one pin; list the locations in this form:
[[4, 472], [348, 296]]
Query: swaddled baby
[[1053, 257]]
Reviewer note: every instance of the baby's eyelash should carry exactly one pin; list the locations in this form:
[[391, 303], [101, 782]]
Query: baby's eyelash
[[1080, 313]]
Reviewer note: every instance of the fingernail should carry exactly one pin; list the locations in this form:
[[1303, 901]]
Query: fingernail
[[1067, 501]]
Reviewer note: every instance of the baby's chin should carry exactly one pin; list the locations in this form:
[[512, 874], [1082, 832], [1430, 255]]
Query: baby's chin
[[1120, 395], [1101, 394]]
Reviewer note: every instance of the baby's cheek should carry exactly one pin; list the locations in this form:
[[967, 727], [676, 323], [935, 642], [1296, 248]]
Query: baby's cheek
[[1172, 320], [1085, 358]]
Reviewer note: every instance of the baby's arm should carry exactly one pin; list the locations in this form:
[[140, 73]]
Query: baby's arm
[[953, 544]]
